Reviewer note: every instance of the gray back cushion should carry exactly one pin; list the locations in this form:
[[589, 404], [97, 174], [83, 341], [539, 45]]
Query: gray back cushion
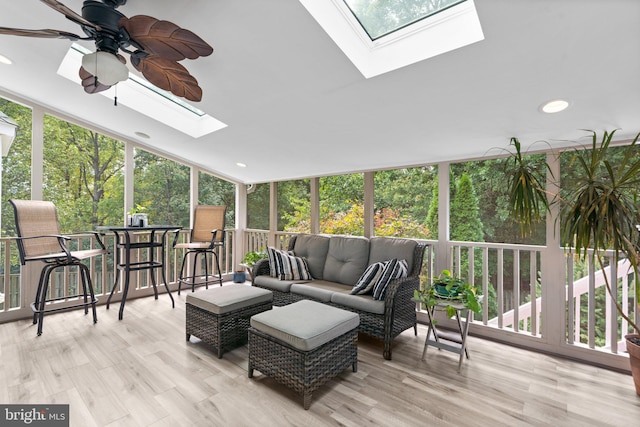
[[347, 259], [314, 248], [385, 248]]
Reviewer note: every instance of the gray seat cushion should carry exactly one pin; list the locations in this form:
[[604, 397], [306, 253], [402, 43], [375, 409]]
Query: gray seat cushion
[[319, 289], [314, 248], [274, 283], [228, 298], [305, 325], [385, 248], [347, 259], [359, 302]]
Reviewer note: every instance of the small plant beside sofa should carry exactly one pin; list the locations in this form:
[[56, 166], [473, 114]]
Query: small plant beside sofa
[[375, 278]]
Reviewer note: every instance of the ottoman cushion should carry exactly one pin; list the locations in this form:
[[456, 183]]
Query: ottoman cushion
[[229, 298], [305, 324]]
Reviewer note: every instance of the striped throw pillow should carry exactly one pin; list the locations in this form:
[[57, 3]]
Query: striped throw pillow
[[392, 270], [286, 266], [365, 283]]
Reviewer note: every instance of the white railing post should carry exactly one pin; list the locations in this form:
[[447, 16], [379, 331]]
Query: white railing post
[[553, 280]]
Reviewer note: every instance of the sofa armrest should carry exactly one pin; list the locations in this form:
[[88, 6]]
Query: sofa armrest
[[261, 268]]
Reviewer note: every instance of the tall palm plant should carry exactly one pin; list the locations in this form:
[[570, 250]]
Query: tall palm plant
[[601, 210]]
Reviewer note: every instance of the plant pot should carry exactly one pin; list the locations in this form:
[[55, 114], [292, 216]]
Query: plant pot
[[239, 277], [441, 290], [634, 358]]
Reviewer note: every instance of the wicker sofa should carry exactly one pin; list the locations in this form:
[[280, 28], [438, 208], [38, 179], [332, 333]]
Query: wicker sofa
[[336, 263]]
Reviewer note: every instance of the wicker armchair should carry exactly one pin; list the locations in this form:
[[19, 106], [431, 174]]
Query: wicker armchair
[[206, 236], [39, 239]]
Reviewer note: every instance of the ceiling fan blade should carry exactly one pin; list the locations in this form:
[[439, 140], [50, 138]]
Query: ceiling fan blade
[[70, 14], [164, 38], [45, 33], [89, 82], [169, 75]]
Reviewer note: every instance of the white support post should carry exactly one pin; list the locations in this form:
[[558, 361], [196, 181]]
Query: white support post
[[194, 176], [273, 213], [442, 255], [553, 324], [315, 205], [129, 163], [239, 244], [37, 153], [369, 204]]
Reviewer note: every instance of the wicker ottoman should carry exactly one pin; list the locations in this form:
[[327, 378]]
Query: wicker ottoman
[[220, 316], [303, 345]]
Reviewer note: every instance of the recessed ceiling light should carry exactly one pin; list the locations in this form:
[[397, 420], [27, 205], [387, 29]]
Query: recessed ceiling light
[[242, 165], [555, 106], [142, 135], [5, 60]]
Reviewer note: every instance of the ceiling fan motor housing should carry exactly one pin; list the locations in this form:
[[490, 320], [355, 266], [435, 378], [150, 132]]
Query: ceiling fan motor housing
[[110, 38]]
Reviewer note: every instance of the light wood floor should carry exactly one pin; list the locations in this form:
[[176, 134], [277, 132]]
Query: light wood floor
[[141, 372]]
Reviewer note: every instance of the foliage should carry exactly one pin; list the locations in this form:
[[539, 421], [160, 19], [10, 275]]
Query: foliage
[[350, 222], [600, 211], [137, 209], [251, 258], [432, 216], [258, 207], [216, 191], [16, 166], [457, 290], [79, 168], [294, 205], [465, 219], [162, 185], [387, 222], [528, 199]]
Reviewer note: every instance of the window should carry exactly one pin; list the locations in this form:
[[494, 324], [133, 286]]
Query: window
[[258, 207], [16, 166], [294, 206], [162, 187], [82, 175], [342, 204], [216, 191], [381, 17], [402, 200], [396, 40]]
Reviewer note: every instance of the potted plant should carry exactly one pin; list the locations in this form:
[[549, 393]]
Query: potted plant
[[448, 287], [250, 260], [137, 217], [600, 212]]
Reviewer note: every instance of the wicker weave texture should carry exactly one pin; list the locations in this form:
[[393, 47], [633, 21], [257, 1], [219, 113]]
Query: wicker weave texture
[[302, 371], [222, 332], [400, 309]]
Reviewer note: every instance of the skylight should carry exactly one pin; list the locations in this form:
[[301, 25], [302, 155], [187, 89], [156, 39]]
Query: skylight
[[453, 25], [147, 99], [382, 17]]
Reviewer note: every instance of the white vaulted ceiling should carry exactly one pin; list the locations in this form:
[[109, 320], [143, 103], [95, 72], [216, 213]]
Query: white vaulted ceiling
[[295, 105]]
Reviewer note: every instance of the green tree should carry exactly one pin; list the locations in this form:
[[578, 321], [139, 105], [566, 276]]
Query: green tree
[[258, 207], [79, 166], [216, 191], [162, 186], [465, 219], [432, 216], [16, 166]]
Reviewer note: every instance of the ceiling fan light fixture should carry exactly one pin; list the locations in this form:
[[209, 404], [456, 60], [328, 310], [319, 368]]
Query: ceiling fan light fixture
[[106, 67]]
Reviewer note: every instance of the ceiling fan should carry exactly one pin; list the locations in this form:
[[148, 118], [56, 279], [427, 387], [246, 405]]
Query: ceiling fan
[[155, 47]]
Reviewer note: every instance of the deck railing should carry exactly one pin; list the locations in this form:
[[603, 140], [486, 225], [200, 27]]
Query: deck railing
[[507, 275], [17, 294]]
